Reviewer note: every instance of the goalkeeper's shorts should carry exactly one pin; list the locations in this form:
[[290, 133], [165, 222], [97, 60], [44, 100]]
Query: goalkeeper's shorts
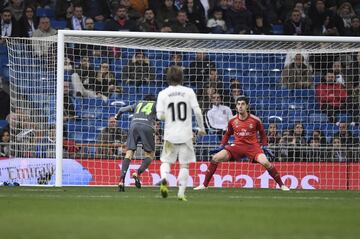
[[237, 152]]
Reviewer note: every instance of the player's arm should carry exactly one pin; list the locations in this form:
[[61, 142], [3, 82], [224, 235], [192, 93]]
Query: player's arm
[[228, 133], [129, 108], [199, 120], [198, 114], [160, 109]]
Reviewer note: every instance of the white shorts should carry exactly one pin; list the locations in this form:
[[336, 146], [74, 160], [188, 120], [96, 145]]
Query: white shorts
[[184, 152]]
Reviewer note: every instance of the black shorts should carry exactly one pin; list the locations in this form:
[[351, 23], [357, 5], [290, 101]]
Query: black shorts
[[141, 133]]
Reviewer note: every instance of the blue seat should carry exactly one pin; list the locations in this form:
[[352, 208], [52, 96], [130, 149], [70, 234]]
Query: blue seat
[[355, 129], [100, 26], [3, 124], [343, 117], [318, 118], [209, 139], [278, 29], [56, 24], [45, 12]]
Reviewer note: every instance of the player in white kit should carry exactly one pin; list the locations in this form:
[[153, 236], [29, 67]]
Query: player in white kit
[[175, 105]]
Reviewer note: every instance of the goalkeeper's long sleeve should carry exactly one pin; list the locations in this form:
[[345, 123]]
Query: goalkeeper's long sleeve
[[199, 118]]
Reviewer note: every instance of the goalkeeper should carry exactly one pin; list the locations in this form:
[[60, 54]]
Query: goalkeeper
[[244, 126], [142, 129]]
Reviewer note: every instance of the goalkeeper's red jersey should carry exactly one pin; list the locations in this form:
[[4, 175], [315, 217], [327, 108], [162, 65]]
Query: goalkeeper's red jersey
[[245, 131]]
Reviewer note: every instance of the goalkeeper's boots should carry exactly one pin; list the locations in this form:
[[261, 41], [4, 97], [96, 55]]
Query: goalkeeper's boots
[[164, 190], [284, 188], [121, 186], [200, 187], [182, 198], [137, 180]]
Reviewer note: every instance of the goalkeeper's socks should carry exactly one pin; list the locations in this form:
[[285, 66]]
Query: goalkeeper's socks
[[210, 172], [144, 165], [124, 167], [276, 176]]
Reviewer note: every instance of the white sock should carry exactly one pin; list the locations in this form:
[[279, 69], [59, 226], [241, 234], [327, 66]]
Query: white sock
[[182, 179], [164, 170]]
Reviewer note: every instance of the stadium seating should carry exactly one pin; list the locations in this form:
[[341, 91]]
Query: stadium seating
[[45, 12], [58, 24]]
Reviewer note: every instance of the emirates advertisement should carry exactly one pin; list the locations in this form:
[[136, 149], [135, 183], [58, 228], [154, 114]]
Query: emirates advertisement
[[331, 176]]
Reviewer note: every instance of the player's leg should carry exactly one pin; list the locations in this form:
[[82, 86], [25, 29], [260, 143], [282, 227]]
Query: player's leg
[[182, 180], [168, 156], [149, 156], [148, 140], [186, 156], [261, 158], [221, 156], [124, 168]]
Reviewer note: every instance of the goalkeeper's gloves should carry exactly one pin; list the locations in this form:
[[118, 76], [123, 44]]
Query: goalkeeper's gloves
[[216, 150], [269, 154], [118, 115]]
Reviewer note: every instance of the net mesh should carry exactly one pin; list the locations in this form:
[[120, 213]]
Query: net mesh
[[305, 93]]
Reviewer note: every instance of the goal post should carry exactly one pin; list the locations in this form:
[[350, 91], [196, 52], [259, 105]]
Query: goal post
[[126, 66]]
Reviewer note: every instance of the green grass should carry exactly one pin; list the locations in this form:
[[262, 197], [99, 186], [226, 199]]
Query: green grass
[[79, 212]]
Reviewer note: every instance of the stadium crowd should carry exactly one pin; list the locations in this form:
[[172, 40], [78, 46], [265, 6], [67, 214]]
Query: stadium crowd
[[26, 18]]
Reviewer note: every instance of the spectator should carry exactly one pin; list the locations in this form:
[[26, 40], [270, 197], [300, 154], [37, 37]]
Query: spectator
[[17, 8], [104, 83], [196, 14], [89, 24], [235, 92], [239, 19], [5, 143], [182, 24], [331, 96], [319, 136], [224, 5], [199, 69], [96, 9], [207, 5], [9, 27], [354, 104], [343, 17], [121, 21], [322, 19], [354, 29], [4, 100], [299, 141], [28, 22], [138, 71], [338, 152], [261, 26], [205, 95], [175, 60], [148, 23], [44, 28], [112, 139], [314, 151], [296, 25], [213, 79], [63, 9], [296, 75], [346, 137], [340, 74], [287, 143], [83, 78], [69, 106], [166, 15], [273, 135], [165, 28], [77, 21], [132, 13], [218, 116], [216, 24]]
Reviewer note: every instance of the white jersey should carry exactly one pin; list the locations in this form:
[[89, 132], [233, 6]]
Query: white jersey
[[177, 104]]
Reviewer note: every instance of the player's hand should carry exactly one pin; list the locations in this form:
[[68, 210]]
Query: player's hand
[[216, 150], [269, 154], [117, 116]]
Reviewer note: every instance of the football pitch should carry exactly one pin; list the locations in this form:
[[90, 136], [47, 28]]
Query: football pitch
[[102, 212]]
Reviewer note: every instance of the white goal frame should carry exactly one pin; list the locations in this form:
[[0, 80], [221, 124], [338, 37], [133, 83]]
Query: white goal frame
[[216, 37]]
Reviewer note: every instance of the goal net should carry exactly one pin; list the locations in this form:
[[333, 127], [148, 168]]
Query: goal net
[[305, 90]]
